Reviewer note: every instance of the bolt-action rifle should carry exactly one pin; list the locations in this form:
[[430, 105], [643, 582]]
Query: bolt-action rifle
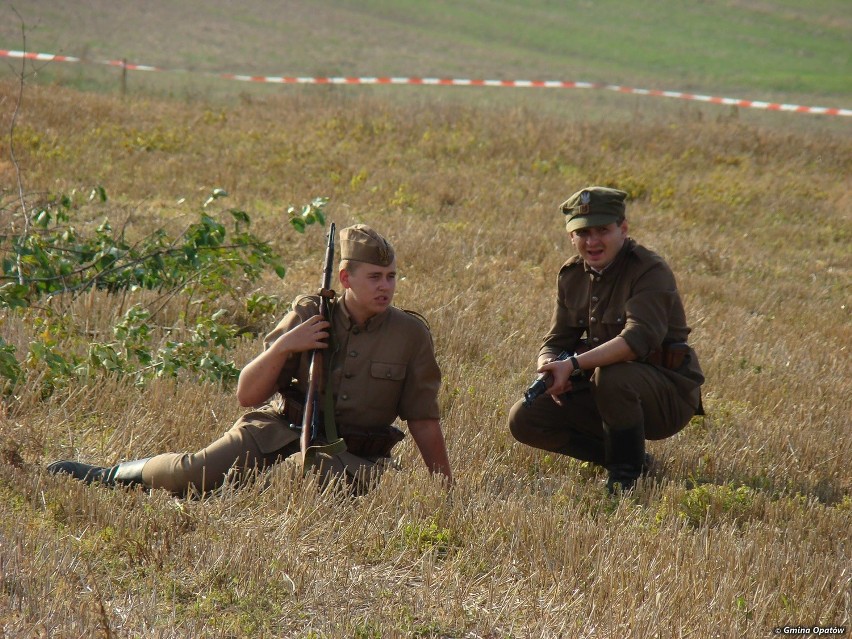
[[312, 418]]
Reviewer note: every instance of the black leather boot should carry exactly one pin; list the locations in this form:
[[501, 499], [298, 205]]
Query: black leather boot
[[625, 456], [585, 449], [77, 470], [125, 473]]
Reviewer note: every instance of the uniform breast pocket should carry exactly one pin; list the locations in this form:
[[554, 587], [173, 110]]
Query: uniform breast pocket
[[575, 318], [387, 371], [612, 323]]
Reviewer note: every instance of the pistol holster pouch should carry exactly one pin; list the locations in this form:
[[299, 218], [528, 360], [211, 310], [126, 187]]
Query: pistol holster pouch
[[371, 442], [670, 355], [294, 405]]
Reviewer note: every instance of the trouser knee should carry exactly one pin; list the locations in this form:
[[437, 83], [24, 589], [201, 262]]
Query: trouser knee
[[522, 425], [514, 424], [572, 431], [172, 472], [612, 382], [179, 473]]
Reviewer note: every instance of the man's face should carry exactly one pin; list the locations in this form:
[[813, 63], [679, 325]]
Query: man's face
[[598, 245], [369, 288]]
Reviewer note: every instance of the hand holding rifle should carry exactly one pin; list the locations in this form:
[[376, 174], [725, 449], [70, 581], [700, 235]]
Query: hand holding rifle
[[312, 418]]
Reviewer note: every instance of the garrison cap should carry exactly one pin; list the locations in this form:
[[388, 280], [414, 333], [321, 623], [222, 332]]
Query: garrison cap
[[360, 243], [593, 206]]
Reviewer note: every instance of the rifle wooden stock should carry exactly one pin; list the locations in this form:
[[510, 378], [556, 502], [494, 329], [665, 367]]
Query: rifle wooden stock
[[311, 418]]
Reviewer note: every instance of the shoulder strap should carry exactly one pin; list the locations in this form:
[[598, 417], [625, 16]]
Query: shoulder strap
[[418, 316]]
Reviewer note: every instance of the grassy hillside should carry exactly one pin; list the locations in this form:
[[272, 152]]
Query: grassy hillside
[[774, 51], [741, 530]]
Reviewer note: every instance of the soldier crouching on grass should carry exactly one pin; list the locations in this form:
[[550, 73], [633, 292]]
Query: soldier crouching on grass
[[620, 326], [382, 366]]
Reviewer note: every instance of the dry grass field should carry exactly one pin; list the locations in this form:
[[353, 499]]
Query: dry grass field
[[744, 529]]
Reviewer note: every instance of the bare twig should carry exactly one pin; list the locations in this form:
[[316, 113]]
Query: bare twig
[[14, 159]]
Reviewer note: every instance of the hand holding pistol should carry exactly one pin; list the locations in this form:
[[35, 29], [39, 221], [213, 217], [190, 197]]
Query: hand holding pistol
[[579, 381]]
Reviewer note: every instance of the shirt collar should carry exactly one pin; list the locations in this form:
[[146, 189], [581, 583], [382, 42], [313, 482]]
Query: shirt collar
[[372, 324], [624, 250]]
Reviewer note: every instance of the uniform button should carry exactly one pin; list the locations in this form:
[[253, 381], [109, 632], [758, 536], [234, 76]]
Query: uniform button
[[593, 319], [582, 322], [596, 339], [347, 375], [387, 374], [344, 396], [353, 353], [356, 330], [619, 320]]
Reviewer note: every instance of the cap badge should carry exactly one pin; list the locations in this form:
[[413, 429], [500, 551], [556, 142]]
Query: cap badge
[[585, 199]]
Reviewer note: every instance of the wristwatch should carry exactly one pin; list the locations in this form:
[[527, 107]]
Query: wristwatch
[[574, 363]]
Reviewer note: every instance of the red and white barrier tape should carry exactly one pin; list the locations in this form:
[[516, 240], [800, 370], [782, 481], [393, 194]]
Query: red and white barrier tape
[[456, 82]]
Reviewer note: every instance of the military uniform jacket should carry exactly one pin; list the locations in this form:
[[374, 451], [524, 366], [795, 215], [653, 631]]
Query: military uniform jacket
[[635, 297], [380, 370]]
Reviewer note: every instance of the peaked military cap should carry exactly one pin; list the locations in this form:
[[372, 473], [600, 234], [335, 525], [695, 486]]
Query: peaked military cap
[[593, 206], [360, 243]]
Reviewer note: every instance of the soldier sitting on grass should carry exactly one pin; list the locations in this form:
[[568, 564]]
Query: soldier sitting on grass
[[381, 366]]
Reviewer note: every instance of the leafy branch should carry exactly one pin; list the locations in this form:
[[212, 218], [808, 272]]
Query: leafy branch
[[212, 257], [52, 258]]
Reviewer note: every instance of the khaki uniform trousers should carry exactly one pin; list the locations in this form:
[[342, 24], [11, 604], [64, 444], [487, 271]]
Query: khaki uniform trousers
[[257, 440], [622, 395]]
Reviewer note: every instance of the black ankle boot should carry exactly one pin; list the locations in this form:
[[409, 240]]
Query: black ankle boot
[[125, 473], [625, 456], [77, 470]]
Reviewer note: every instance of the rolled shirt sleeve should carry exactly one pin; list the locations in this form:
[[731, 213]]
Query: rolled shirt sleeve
[[649, 310]]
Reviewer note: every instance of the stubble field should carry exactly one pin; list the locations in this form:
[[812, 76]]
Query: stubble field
[[743, 529]]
